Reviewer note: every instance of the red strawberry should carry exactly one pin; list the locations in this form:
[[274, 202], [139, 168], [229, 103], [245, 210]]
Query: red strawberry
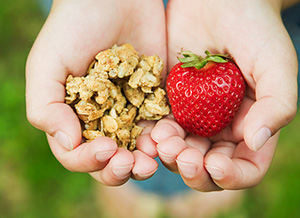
[[205, 93]]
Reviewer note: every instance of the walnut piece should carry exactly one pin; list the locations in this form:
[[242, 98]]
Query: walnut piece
[[119, 89]]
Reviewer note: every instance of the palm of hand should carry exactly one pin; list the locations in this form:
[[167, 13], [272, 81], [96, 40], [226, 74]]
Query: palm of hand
[[85, 31], [225, 161], [68, 42]]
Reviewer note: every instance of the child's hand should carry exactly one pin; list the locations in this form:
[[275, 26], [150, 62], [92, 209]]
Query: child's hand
[[252, 33], [73, 34]]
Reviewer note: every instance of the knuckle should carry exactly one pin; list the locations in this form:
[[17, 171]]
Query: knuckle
[[71, 166], [292, 112], [33, 117], [289, 113]]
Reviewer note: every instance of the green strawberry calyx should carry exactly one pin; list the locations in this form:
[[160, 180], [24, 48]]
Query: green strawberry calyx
[[192, 60]]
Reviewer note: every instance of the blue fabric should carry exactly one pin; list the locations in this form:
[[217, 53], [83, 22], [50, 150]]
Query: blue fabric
[[165, 2], [163, 182], [291, 20]]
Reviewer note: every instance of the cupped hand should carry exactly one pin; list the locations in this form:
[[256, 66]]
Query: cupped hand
[[73, 34], [252, 32]]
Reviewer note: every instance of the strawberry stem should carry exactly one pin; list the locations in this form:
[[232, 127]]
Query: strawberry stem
[[192, 60]]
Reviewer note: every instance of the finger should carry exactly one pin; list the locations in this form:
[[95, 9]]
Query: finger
[[144, 142], [59, 121], [144, 166], [224, 147], [45, 93], [200, 143], [46, 109], [168, 150], [191, 168], [118, 170], [264, 119], [166, 128], [275, 77], [245, 169], [87, 157]]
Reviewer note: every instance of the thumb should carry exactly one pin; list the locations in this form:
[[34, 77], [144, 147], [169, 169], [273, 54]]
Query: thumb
[[59, 121], [276, 97], [45, 97], [266, 116]]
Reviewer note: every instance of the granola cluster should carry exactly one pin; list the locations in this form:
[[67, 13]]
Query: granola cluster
[[120, 88]]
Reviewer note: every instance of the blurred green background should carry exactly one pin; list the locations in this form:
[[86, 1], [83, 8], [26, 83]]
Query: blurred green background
[[34, 184]]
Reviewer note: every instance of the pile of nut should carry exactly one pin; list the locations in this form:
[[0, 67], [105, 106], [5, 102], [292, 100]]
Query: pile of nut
[[120, 88]]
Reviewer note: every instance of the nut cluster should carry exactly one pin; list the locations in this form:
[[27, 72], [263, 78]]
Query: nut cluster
[[120, 88]]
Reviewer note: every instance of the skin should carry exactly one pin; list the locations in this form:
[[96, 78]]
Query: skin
[[289, 3], [252, 32], [73, 34]]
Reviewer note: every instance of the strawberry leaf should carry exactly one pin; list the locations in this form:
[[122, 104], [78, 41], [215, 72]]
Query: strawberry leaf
[[189, 64], [186, 59], [192, 60], [188, 54], [216, 59], [201, 64]]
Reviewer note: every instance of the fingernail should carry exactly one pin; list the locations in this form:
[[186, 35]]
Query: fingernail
[[64, 140], [147, 130], [215, 172], [161, 132], [122, 171], [104, 155], [260, 138], [147, 175], [168, 159], [188, 170]]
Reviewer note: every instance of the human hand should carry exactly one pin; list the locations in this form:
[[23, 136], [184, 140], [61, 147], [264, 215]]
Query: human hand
[[73, 34], [252, 32]]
